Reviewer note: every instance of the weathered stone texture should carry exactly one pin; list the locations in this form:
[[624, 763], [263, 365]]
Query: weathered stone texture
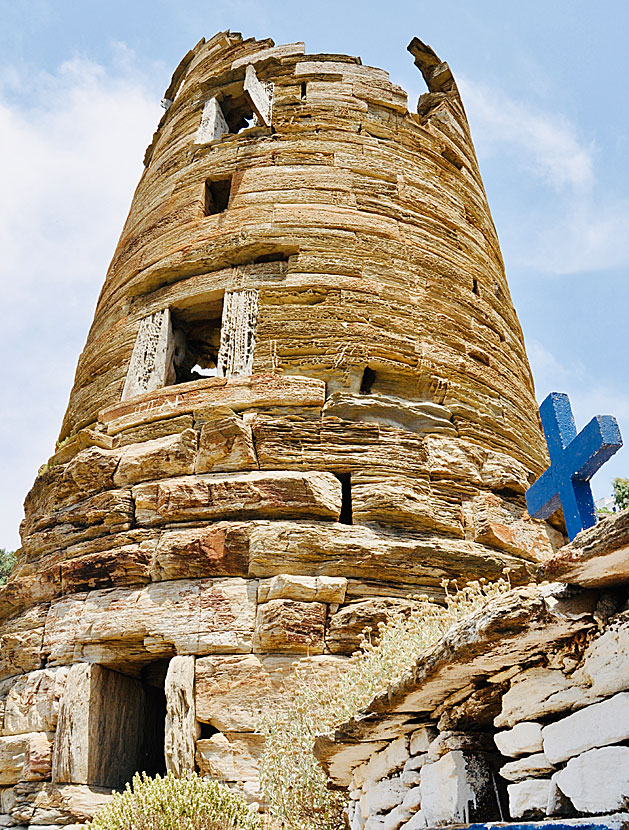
[[369, 433]]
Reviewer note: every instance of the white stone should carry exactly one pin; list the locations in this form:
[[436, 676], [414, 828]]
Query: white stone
[[606, 663], [558, 803], [260, 96], [151, 361], [181, 729], [413, 799], [539, 692], [598, 780], [531, 766], [597, 725], [238, 333], [374, 823], [421, 739], [446, 792], [523, 739], [329, 589], [396, 818], [32, 704], [418, 822], [528, 798], [416, 762], [213, 124], [382, 764], [383, 797]]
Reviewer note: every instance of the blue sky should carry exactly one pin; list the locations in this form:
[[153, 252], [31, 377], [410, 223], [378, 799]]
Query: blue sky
[[544, 84]]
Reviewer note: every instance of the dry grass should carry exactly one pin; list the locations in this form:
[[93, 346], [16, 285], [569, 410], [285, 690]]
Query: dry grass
[[293, 782]]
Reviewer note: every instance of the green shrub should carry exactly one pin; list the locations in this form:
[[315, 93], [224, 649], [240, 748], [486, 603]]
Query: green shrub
[[621, 493], [7, 562], [169, 803], [293, 783]]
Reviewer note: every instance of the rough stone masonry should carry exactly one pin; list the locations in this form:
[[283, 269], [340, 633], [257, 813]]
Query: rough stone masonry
[[304, 397]]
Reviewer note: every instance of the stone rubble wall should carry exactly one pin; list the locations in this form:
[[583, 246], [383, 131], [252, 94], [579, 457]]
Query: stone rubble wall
[[556, 748], [203, 526], [386, 254], [233, 529]]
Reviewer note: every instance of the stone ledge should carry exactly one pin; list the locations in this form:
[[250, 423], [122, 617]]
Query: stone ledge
[[597, 558]]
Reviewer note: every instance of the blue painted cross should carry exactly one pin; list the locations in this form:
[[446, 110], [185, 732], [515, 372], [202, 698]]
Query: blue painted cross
[[573, 461]]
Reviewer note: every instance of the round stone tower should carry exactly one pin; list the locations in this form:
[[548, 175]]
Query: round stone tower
[[304, 396]]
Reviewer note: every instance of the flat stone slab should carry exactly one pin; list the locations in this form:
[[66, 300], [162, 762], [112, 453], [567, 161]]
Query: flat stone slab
[[236, 393], [597, 557]]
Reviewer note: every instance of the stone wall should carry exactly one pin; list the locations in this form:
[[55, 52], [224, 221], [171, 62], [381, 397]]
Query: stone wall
[[369, 431], [524, 712]]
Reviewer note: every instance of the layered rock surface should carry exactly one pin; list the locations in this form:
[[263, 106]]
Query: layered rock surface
[[192, 549]]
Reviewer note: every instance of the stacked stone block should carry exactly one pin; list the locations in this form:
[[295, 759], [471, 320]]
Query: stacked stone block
[[304, 398]]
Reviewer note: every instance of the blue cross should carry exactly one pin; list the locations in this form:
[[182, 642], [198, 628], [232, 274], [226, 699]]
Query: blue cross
[[573, 461]]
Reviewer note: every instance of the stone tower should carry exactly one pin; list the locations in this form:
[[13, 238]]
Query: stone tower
[[304, 396]]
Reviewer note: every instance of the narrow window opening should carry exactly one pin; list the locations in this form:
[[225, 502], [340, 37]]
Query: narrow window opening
[[151, 757], [217, 195], [238, 113], [303, 90], [276, 257], [475, 286], [207, 730], [197, 340], [367, 382], [346, 517], [450, 156]]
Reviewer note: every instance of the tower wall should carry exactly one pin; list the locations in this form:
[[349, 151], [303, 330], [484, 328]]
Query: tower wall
[[369, 430]]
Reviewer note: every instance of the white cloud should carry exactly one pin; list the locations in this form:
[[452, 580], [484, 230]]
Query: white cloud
[[575, 226], [547, 143], [73, 142]]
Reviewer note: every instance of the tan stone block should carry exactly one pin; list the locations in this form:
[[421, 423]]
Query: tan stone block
[[453, 458], [347, 626], [93, 469], [507, 526], [122, 564], [125, 626], [99, 729], [233, 692], [25, 757], [239, 495], [327, 589], [21, 642], [219, 549], [369, 553], [181, 728], [154, 429], [172, 455], [13, 751], [107, 512], [32, 703], [51, 804], [404, 502], [233, 756], [225, 443], [289, 626], [38, 765]]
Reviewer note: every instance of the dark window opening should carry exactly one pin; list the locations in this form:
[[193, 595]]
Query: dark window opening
[[346, 517], [207, 730], [475, 286], [303, 90], [237, 111], [367, 382], [197, 339], [276, 257], [450, 156], [151, 749], [217, 195]]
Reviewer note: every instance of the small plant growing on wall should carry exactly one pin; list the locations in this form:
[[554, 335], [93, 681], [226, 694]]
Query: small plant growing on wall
[[169, 803]]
